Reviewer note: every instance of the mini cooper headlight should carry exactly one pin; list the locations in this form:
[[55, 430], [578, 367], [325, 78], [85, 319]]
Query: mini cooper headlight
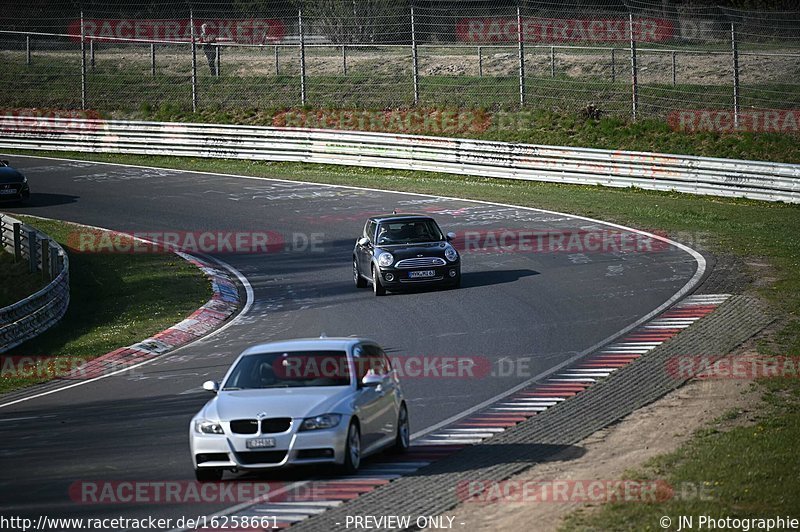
[[325, 421], [385, 259], [451, 254], [208, 427]]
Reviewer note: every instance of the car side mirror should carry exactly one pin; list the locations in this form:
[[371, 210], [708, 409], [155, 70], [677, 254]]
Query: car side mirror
[[372, 380], [211, 386], [363, 241], [450, 237]]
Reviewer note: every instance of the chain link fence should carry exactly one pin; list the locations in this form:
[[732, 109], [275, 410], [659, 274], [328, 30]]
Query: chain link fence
[[633, 58]]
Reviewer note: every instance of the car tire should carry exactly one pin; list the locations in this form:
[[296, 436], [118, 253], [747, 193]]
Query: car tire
[[352, 450], [377, 287], [359, 281], [403, 439], [208, 474]]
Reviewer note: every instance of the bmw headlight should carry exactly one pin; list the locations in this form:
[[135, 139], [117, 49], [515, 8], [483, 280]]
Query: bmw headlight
[[451, 254], [385, 259], [325, 421], [208, 427]]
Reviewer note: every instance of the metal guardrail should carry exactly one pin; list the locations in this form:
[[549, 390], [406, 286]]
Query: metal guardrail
[[695, 175], [38, 312]]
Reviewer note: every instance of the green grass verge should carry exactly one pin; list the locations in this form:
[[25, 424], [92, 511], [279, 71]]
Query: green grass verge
[[16, 282], [754, 470], [115, 300]]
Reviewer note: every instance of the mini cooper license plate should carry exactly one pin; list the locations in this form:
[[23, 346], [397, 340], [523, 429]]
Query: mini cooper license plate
[[261, 443], [423, 273], [7, 191]]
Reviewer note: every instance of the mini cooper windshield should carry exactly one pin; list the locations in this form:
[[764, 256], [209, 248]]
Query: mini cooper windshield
[[294, 369], [408, 232]]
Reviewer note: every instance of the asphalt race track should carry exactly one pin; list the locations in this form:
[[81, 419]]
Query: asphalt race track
[[528, 310]]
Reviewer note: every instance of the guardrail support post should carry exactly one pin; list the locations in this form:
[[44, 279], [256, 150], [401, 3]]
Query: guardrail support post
[[44, 256], [54, 261], [521, 53], [634, 71], [194, 62], [83, 64], [152, 59], [302, 57], [32, 250], [735, 57], [17, 241], [28, 50], [414, 57]]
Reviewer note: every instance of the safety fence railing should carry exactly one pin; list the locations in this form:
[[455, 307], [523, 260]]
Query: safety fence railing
[[38, 312], [696, 175]]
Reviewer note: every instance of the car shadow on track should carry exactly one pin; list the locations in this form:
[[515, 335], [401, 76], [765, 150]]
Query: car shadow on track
[[488, 278], [41, 199]]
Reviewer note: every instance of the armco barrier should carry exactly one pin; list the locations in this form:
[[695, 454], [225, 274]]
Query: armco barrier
[[681, 173], [38, 312]]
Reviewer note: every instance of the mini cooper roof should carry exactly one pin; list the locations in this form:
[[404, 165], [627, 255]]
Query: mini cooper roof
[[389, 217]]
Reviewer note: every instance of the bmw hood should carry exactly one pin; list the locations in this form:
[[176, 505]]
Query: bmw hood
[[10, 175], [278, 402]]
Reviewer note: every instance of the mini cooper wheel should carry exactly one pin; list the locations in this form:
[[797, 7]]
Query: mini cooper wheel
[[403, 440], [352, 450], [208, 474], [359, 281], [377, 287]]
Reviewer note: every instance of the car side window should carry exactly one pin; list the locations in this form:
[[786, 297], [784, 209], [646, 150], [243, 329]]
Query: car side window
[[369, 230]]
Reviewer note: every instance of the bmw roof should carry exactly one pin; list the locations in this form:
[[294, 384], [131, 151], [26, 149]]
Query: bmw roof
[[306, 344]]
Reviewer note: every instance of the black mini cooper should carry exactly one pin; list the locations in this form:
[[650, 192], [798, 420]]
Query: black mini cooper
[[400, 251]]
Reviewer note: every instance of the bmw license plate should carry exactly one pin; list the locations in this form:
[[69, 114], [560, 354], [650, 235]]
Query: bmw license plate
[[261, 443], [421, 274], [7, 191]]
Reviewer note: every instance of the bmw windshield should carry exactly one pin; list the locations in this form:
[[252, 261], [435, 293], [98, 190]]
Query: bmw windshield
[[295, 369], [408, 232]]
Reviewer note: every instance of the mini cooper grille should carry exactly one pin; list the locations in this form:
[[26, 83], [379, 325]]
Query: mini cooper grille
[[276, 424], [420, 262], [244, 426], [261, 457]]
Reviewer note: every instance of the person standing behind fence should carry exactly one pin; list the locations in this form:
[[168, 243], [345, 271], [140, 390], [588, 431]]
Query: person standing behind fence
[[209, 48]]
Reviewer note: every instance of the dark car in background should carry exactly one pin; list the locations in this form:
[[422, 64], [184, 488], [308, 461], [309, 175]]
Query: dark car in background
[[401, 251], [13, 185]]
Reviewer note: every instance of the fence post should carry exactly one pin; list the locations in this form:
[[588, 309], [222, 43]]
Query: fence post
[[344, 59], [521, 51], [217, 58], [152, 59], [302, 57], [194, 61], [613, 65], [634, 70], [480, 62], [28, 50], [17, 241], [83, 64], [552, 61], [277, 62], [31, 235], [674, 68], [91, 53], [735, 57], [414, 58]]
